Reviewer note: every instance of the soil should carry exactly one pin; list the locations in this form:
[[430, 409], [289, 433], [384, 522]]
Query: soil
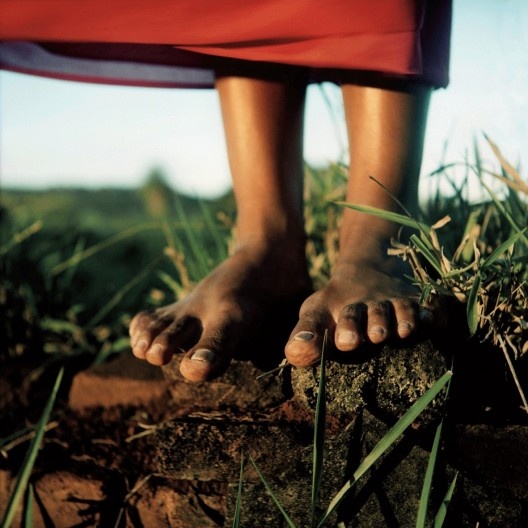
[[101, 465], [92, 470]]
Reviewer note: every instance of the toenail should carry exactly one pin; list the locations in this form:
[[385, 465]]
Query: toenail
[[141, 346], [156, 351], [303, 336], [202, 354], [376, 329], [405, 325], [347, 337]]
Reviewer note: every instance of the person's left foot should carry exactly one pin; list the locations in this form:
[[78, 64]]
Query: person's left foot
[[362, 303]]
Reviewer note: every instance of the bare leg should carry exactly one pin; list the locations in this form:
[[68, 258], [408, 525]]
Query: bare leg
[[366, 298], [263, 123]]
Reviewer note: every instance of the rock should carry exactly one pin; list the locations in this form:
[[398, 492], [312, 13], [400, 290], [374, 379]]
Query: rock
[[238, 388], [212, 450], [386, 380], [123, 381], [272, 422], [364, 398], [209, 425], [175, 504], [209, 448], [66, 499]]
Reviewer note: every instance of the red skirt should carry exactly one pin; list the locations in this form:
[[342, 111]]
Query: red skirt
[[182, 43]]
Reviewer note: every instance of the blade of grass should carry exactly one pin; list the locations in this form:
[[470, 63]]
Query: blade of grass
[[18, 238], [197, 248], [431, 464], [426, 293], [500, 249], [472, 305], [387, 441], [388, 215], [283, 365], [393, 196], [459, 271], [428, 479], [427, 254], [506, 166], [28, 513], [408, 221], [273, 496], [442, 511], [31, 456], [120, 294], [218, 237], [76, 258], [172, 283], [467, 251], [319, 432], [502, 342], [67, 278], [238, 506], [14, 436], [504, 212], [22, 436], [137, 487]]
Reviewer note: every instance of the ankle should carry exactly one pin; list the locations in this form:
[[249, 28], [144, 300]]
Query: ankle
[[357, 265], [272, 241]]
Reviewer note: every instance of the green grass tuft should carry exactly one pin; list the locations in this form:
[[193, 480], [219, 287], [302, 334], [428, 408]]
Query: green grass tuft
[[16, 498]]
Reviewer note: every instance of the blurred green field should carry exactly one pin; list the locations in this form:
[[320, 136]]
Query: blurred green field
[[75, 264], [74, 259]]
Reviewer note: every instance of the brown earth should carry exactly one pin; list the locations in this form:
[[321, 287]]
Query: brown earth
[[130, 446], [92, 470]]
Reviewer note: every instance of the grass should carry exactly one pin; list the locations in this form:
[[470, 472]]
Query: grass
[[22, 481], [476, 254], [65, 292]]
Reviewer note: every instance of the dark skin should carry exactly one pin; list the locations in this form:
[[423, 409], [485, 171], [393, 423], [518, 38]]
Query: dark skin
[[366, 299]]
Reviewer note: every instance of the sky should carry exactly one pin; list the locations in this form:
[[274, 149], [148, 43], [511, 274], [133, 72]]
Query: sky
[[58, 133]]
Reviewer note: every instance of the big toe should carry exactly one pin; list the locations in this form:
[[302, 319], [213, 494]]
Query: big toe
[[203, 364], [211, 355], [306, 341]]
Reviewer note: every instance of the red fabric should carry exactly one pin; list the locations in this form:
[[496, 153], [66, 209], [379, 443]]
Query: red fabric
[[397, 37]]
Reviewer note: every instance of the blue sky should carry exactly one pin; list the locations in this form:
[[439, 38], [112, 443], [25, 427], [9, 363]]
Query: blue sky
[[73, 134]]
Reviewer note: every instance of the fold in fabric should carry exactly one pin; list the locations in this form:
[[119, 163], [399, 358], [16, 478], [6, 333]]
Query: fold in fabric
[[180, 43]]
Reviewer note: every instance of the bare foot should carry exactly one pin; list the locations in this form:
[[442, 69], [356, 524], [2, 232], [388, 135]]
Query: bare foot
[[369, 302], [221, 314]]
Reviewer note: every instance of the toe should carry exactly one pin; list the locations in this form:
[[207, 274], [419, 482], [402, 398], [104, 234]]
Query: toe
[[378, 322], [406, 315], [138, 323], [349, 329], [143, 332], [158, 354], [202, 363], [177, 337], [306, 341], [211, 355]]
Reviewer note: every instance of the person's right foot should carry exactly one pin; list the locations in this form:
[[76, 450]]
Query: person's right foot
[[223, 310]]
